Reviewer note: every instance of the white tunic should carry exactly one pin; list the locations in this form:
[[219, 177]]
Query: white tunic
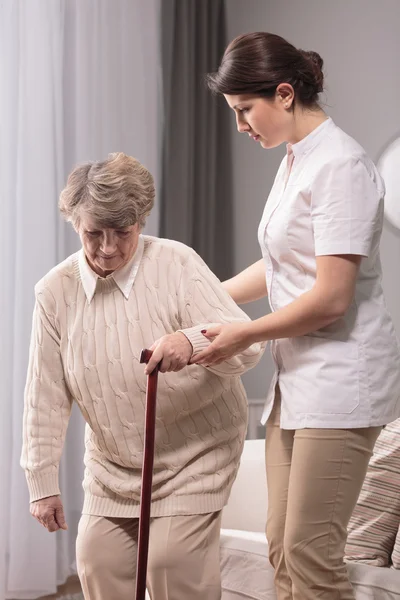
[[347, 374]]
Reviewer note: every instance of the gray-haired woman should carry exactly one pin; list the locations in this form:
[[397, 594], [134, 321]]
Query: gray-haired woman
[[94, 313]]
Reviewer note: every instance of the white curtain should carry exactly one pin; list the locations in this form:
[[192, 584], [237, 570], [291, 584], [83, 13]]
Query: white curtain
[[78, 79]]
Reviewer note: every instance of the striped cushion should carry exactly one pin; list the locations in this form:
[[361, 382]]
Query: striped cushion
[[375, 521], [396, 550]]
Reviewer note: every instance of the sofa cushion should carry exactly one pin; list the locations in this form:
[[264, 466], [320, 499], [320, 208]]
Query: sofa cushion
[[375, 520], [247, 575], [245, 569], [247, 504]]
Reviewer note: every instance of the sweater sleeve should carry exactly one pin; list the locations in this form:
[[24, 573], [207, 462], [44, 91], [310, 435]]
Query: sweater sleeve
[[206, 303], [47, 408]]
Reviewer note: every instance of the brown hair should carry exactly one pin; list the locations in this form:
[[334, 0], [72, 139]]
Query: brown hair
[[116, 192], [256, 63]]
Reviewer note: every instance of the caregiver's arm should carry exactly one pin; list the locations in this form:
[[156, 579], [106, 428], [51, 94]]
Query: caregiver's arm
[[248, 285], [327, 301]]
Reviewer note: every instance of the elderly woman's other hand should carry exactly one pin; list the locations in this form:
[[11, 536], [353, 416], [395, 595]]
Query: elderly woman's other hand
[[49, 512], [172, 352]]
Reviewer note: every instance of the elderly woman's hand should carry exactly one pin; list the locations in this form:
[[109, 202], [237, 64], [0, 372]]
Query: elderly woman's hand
[[49, 512], [226, 341], [173, 352]]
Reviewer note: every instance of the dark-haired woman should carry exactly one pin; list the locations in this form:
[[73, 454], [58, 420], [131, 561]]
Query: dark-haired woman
[[337, 358]]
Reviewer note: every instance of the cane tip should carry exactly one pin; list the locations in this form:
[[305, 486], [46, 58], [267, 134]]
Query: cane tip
[[145, 356]]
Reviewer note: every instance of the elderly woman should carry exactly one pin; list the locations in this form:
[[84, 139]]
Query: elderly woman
[[94, 313]]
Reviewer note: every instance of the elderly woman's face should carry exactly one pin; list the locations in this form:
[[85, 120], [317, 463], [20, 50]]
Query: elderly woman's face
[[108, 250]]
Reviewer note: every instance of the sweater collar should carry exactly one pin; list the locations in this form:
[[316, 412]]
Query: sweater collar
[[124, 278]]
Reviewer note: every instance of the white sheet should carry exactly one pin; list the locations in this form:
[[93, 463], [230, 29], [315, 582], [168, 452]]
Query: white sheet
[[247, 574]]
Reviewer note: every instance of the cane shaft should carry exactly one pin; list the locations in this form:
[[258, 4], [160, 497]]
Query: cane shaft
[[147, 478]]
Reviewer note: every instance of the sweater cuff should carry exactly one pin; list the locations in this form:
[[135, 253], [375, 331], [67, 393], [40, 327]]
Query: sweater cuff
[[196, 338], [42, 485]]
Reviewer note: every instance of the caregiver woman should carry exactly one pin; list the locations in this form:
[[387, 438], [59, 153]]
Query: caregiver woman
[[333, 343]]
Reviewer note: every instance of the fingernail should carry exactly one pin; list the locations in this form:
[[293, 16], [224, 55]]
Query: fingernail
[[203, 331]]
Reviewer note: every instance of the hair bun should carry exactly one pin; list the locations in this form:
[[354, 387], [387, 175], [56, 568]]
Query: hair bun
[[317, 64]]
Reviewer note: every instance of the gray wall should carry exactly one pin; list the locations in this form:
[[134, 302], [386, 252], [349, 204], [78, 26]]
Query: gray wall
[[359, 41]]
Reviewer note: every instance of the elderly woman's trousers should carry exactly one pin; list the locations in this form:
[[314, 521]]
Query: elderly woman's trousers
[[183, 561]]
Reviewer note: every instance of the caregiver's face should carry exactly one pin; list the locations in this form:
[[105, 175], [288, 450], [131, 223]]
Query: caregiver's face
[[107, 249], [265, 120]]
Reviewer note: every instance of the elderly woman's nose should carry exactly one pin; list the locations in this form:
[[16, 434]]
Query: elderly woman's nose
[[108, 243]]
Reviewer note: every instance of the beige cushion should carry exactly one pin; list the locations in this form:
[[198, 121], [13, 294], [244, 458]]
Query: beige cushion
[[375, 521]]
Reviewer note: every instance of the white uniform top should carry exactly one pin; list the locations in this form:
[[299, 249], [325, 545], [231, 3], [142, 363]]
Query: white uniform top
[[347, 374]]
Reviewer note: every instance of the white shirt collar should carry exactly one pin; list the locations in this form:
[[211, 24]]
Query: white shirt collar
[[311, 139], [124, 278]]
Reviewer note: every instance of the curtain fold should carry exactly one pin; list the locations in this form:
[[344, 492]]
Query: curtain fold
[[30, 142], [196, 197], [78, 80]]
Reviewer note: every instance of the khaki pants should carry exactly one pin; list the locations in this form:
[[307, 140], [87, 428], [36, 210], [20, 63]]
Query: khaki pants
[[314, 479], [183, 559]]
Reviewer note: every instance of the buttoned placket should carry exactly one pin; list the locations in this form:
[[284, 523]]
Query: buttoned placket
[[270, 272], [289, 163]]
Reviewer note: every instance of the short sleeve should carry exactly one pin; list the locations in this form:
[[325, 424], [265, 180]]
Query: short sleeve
[[346, 208]]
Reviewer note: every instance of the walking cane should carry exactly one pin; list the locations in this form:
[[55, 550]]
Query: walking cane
[[147, 478]]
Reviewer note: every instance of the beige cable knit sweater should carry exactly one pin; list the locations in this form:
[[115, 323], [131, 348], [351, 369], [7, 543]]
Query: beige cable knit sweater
[[88, 352]]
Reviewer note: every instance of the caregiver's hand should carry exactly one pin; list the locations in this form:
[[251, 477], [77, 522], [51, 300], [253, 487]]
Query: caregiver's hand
[[172, 351], [227, 341], [49, 512]]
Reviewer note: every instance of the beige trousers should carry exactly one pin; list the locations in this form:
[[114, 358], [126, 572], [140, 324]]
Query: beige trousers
[[314, 479], [183, 558]]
